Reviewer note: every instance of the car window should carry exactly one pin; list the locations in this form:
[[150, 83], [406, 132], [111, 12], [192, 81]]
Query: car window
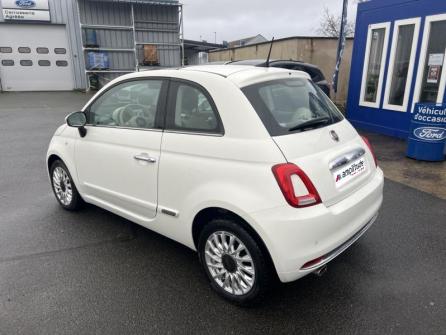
[[193, 110], [131, 105], [285, 103]]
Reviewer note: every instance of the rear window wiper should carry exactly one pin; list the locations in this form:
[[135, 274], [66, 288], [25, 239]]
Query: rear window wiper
[[310, 123]]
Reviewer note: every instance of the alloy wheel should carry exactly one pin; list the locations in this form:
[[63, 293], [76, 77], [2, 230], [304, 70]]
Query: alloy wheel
[[229, 263], [62, 186]]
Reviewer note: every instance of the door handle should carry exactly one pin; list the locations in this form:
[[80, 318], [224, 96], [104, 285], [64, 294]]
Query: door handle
[[145, 158]]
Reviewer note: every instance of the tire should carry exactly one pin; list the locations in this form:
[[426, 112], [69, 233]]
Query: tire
[[63, 187], [230, 278]]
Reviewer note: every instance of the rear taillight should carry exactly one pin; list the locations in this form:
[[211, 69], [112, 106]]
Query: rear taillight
[[366, 141], [284, 173]]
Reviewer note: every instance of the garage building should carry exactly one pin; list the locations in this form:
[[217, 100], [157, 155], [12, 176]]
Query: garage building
[[48, 45], [399, 59]]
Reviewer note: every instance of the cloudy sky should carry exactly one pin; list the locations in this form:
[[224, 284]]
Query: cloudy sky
[[235, 19]]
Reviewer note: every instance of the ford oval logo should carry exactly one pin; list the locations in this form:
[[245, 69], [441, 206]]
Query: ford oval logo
[[430, 133], [25, 3]]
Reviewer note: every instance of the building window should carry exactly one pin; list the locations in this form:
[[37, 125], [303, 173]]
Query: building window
[[62, 63], [375, 59], [5, 50], [7, 62], [26, 62], [24, 50], [431, 77], [44, 62], [42, 50], [60, 51], [402, 59]]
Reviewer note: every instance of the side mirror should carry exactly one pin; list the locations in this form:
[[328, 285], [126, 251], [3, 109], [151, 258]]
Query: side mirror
[[78, 120]]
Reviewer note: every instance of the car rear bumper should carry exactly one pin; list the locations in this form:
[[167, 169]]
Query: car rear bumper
[[295, 237]]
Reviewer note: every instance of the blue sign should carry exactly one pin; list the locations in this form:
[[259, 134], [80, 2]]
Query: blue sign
[[427, 135], [25, 3], [430, 113]]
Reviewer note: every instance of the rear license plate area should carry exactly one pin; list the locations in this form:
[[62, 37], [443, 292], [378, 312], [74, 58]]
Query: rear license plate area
[[347, 173]]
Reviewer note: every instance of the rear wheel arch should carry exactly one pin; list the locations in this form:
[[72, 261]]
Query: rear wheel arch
[[204, 216]]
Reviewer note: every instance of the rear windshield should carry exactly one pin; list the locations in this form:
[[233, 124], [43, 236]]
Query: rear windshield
[[285, 104]]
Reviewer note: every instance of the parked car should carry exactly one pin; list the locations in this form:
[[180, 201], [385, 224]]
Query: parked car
[[315, 73], [254, 168]]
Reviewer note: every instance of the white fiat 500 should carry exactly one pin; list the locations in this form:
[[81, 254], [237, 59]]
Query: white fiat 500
[[255, 168]]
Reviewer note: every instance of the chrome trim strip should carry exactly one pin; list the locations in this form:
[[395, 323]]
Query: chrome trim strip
[[336, 252], [346, 158], [120, 127], [185, 132], [158, 130]]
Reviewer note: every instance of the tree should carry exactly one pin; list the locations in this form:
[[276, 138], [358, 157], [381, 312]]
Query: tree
[[330, 25]]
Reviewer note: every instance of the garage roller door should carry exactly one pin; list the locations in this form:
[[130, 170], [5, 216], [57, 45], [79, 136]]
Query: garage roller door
[[35, 58]]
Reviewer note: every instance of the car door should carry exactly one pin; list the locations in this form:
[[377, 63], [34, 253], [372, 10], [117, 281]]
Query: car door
[[191, 145], [117, 161]]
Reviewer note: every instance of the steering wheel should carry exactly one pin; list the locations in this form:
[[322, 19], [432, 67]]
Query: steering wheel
[[131, 115], [135, 109]]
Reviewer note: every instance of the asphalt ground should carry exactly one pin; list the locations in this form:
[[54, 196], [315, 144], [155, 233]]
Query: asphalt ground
[[92, 272]]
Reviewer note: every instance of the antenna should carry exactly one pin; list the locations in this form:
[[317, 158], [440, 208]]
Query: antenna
[[269, 53]]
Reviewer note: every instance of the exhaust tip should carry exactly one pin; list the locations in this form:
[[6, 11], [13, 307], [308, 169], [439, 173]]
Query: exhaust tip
[[320, 271]]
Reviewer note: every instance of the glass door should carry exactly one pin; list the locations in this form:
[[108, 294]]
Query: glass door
[[431, 78]]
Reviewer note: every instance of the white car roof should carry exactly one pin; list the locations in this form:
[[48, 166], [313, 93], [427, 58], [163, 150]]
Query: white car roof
[[222, 70], [244, 75], [241, 75]]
